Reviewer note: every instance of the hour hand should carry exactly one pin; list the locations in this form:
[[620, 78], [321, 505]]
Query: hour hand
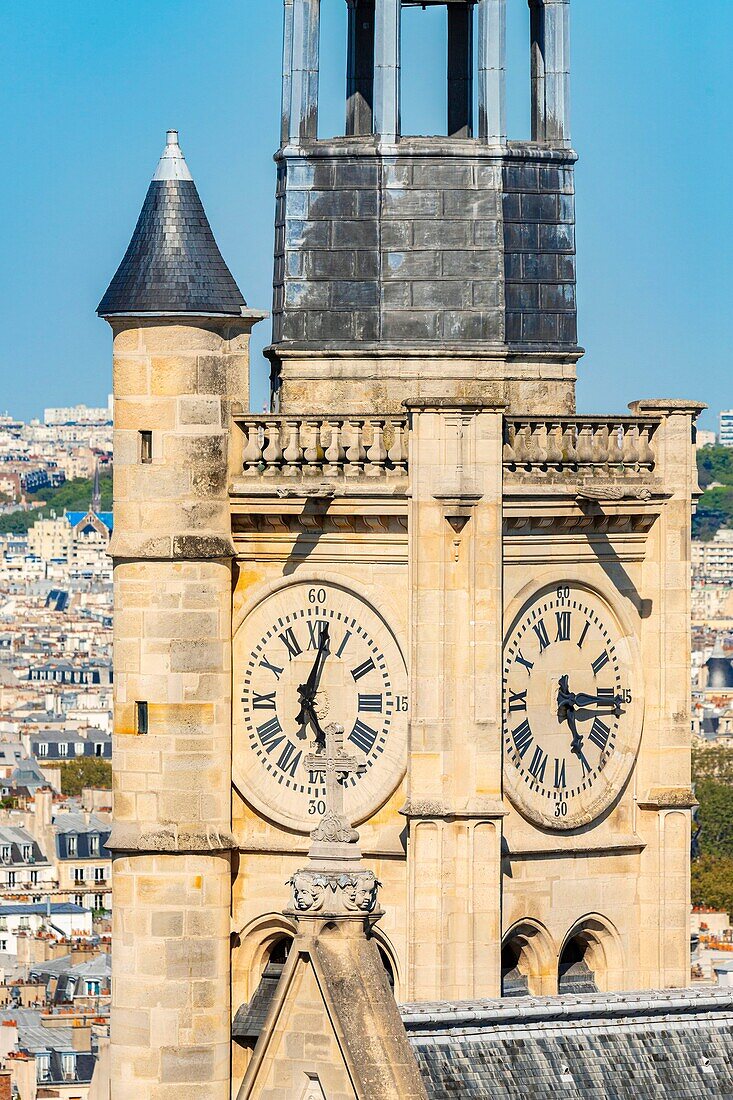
[[612, 701]]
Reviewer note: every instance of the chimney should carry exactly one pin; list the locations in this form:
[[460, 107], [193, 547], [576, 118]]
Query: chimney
[[6, 1084], [81, 1037]]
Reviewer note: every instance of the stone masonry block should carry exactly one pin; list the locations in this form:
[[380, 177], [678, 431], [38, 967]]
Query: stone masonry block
[[367, 204], [452, 174], [442, 234], [357, 174], [408, 203], [412, 325], [173, 374], [331, 265], [462, 325], [329, 326], [331, 204], [355, 234], [471, 204], [441, 294], [194, 410], [131, 375], [482, 263], [308, 295], [365, 293], [300, 233], [410, 265], [539, 208]]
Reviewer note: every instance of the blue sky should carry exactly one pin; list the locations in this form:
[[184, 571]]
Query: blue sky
[[90, 88]]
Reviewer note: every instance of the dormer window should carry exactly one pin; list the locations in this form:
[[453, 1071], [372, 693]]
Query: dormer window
[[27, 852], [94, 845], [71, 844], [6, 853]]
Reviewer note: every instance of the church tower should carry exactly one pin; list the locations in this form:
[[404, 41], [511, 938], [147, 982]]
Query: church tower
[[423, 545]]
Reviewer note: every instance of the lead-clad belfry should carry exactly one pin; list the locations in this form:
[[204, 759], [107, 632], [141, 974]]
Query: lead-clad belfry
[[401, 667]]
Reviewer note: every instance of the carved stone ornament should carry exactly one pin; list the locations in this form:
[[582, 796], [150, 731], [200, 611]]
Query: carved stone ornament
[[587, 491], [334, 829], [336, 892]]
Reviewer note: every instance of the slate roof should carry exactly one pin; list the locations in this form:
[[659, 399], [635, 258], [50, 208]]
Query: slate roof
[[671, 1044], [173, 263]]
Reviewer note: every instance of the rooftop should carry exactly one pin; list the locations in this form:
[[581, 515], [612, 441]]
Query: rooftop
[[172, 264]]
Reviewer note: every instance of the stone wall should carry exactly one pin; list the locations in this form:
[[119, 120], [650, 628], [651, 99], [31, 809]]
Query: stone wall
[[412, 249]]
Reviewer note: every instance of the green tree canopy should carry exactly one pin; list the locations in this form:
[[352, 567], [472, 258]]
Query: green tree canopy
[[85, 771]]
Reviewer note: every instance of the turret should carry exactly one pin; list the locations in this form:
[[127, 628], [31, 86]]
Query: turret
[[181, 335]]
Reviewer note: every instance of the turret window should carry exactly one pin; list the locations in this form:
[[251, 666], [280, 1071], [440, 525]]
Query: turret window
[[146, 447], [141, 717]]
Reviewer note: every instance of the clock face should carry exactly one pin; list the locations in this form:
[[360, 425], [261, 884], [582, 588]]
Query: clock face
[[319, 641], [572, 715]]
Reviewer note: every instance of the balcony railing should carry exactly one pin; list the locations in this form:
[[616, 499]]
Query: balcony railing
[[580, 448], [305, 447]]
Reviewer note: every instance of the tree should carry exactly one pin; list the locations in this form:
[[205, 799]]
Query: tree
[[86, 771]]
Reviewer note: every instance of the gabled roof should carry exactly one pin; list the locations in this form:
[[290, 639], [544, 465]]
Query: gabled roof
[[173, 263]]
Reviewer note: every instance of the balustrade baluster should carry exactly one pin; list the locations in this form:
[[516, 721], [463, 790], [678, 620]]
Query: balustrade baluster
[[335, 454], [376, 454], [646, 452], [631, 445], [569, 447], [615, 448], [585, 444], [397, 455], [600, 445], [539, 444], [508, 449], [273, 452], [554, 445], [313, 453], [292, 454], [252, 455], [355, 454]]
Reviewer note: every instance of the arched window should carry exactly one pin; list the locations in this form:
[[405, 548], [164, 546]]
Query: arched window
[[574, 973], [528, 961], [250, 1018]]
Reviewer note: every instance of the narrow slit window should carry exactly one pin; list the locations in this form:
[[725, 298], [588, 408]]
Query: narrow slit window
[[141, 717], [146, 447]]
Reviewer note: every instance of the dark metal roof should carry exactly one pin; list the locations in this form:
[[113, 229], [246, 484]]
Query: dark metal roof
[[173, 263], [673, 1043], [250, 1018]]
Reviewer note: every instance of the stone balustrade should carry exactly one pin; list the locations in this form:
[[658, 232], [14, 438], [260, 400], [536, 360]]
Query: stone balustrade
[[323, 446], [580, 447]]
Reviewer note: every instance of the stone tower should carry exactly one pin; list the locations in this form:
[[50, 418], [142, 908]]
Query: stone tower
[[425, 267], [423, 544], [181, 331]]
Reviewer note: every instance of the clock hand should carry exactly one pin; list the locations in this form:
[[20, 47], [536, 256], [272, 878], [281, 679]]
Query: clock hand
[[566, 701], [612, 701], [312, 717], [307, 691]]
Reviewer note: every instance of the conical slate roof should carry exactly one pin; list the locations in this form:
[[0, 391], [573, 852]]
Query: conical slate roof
[[173, 263]]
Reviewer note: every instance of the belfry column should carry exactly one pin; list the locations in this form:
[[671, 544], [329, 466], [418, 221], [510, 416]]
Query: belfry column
[[181, 334], [454, 807]]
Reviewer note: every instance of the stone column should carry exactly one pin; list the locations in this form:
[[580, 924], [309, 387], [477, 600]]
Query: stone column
[[175, 380], [287, 85], [663, 777], [387, 34], [306, 23], [550, 32], [460, 70], [360, 70], [492, 71], [454, 807]]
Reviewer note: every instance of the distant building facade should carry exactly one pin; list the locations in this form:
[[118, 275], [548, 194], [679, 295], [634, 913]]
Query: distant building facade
[[725, 433]]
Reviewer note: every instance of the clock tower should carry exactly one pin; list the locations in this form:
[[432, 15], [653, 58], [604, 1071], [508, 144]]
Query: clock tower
[[423, 545]]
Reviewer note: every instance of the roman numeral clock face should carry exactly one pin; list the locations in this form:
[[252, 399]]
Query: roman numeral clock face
[[319, 642], [572, 713]]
